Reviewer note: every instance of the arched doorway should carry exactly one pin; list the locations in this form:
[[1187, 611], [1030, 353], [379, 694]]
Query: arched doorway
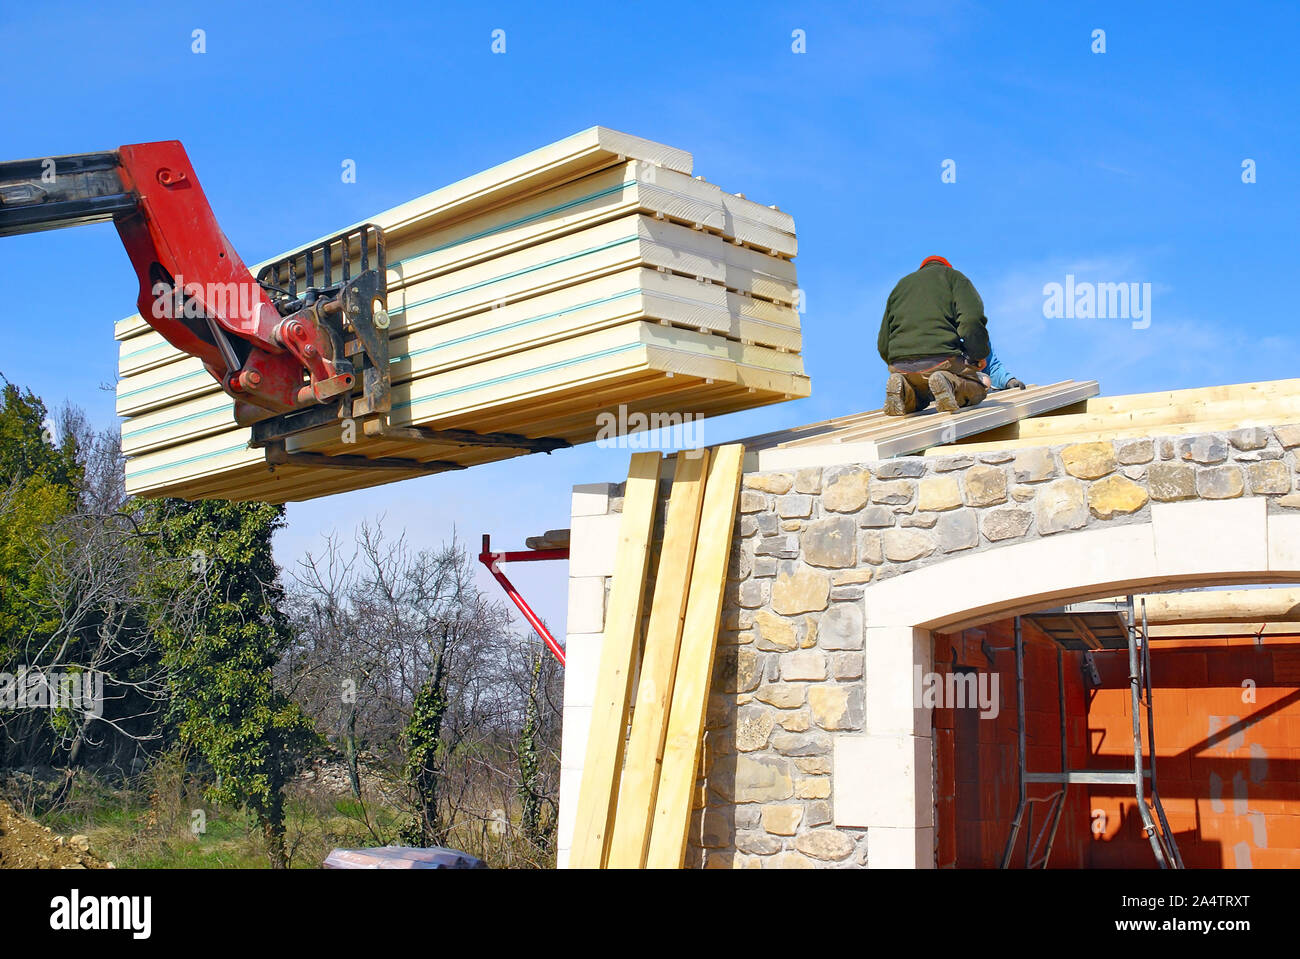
[[884, 777]]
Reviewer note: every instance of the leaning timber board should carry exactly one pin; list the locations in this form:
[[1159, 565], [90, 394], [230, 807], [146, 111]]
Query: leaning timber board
[[683, 739], [631, 242], [598, 790], [654, 685], [560, 373]]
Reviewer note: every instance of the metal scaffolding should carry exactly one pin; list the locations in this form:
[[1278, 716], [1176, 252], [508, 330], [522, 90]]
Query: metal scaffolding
[[1090, 627]]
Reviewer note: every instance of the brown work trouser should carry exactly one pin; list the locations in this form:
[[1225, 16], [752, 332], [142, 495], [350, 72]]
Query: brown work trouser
[[965, 379]]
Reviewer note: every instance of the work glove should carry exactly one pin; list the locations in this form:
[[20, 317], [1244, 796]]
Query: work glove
[[1015, 384]]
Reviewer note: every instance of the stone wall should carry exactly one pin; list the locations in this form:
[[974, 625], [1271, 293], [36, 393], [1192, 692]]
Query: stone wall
[[809, 544]]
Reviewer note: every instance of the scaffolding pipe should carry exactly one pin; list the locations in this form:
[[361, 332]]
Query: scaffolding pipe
[[1173, 852], [1020, 750], [1135, 697]]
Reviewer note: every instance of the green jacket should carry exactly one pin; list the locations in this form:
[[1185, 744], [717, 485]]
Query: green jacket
[[933, 312]]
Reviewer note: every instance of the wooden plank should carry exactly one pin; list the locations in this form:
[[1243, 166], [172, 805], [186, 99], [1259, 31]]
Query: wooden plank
[[682, 746], [1232, 391], [1102, 436], [764, 311], [870, 436], [742, 210], [1211, 632], [1274, 605], [640, 780], [868, 425], [1081, 630], [605, 741], [1002, 408], [1152, 419]]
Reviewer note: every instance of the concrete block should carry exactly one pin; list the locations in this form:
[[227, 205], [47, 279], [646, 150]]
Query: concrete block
[[573, 737], [591, 499], [582, 665], [892, 655], [1226, 536], [570, 783], [889, 848], [883, 781], [1284, 544], [593, 544], [586, 604]]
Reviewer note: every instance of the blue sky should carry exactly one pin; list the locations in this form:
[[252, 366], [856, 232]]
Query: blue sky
[[1123, 166]]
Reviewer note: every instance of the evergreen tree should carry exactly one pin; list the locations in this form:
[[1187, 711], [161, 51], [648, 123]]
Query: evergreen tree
[[425, 754], [28, 443], [224, 699]]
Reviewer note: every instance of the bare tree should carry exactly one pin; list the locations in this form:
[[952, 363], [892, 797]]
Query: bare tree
[[89, 610], [382, 628]]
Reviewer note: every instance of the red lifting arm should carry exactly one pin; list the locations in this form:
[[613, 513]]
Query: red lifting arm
[[194, 288]]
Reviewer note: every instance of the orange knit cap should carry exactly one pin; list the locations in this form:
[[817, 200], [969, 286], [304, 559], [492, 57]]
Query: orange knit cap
[[935, 259]]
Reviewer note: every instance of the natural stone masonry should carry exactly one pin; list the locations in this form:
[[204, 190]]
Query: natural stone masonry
[[810, 543]]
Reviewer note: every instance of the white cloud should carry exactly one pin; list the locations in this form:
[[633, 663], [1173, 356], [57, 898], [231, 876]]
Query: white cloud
[[1178, 349]]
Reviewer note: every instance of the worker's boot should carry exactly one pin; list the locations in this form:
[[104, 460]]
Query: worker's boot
[[944, 388], [900, 398]]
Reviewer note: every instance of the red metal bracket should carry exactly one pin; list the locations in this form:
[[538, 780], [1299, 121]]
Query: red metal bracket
[[492, 560]]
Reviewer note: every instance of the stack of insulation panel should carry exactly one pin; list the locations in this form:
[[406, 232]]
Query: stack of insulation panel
[[592, 275]]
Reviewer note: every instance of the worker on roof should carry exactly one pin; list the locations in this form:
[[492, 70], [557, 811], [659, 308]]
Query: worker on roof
[[934, 340]]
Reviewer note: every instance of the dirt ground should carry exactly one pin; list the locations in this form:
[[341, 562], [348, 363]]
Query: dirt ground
[[29, 845]]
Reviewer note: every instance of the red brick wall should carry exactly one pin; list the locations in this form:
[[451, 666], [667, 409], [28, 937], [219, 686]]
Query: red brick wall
[[976, 798], [1228, 769]]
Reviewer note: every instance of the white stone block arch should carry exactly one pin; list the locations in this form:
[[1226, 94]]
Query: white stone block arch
[[884, 776]]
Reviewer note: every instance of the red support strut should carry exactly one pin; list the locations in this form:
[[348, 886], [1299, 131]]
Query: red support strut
[[491, 561]]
